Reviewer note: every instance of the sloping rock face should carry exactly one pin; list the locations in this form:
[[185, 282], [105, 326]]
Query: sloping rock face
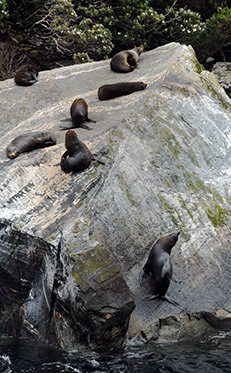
[[167, 155], [40, 296], [222, 70]]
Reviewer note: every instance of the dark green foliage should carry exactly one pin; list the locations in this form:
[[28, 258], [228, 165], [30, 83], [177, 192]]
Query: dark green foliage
[[67, 31], [20, 12]]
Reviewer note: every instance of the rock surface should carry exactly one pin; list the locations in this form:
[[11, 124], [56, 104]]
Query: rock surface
[[167, 154], [222, 70]]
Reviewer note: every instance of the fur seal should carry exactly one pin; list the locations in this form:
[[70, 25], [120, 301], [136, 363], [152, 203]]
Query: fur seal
[[79, 114], [77, 157], [107, 91], [125, 61], [29, 141], [27, 75], [160, 266]]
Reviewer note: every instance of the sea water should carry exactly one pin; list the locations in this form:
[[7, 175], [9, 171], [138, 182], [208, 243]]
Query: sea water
[[208, 353]]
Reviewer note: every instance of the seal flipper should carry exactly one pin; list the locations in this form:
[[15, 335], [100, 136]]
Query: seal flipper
[[32, 81], [170, 300], [65, 120], [85, 127], [150, 297], [90, 120], [96, 158], [176, 280], [65, 128], [81, 126], [34, 76], [164, 297]]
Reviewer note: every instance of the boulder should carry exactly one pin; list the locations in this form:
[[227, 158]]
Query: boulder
[[222, 70], [167, 167]]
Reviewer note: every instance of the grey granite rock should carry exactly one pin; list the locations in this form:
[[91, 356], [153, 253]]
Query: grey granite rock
[[167, 154], [222, 70]]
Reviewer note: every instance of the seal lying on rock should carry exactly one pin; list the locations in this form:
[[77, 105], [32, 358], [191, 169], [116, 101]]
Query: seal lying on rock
[[160, 266], [107, 91], [77, 157], [29, 141], [27, 75], [79, 114], [125, 61]]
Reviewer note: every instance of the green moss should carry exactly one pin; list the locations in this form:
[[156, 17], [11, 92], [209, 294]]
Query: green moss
[[96, 262], [115, 135], [216, 214], [198, 67], [172, 211], [140, 224], [167, 182], [125, 187], [193, 59], [161, 127], [169, 139], [183, 204], [175, 216], [214, 209], [81, 226], [214, 87], [79, 204], [76, 275]]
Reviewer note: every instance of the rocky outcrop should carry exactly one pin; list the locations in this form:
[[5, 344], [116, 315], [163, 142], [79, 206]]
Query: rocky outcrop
[[222, 70], [75, 307], [167, 155]]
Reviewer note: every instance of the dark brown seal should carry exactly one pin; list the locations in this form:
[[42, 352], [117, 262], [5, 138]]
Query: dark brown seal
[[160, 266], [79, 114], [27, 75], [77, 157], [108, 91], [29, 141], [125, 61]]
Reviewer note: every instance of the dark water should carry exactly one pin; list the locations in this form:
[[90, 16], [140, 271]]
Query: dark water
[[210, 353]]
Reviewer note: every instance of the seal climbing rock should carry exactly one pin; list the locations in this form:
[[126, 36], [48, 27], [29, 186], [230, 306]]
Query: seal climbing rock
[[125, 61], [29, 141], [79, 114], [27, 75], [160, 266], [77, 157], [108, 91]]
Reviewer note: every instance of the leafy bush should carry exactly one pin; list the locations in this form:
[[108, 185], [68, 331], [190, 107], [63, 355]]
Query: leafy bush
[[3, 10], [84, 30]]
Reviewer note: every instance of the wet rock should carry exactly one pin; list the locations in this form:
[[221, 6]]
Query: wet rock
[[39, 297], [221, 319]]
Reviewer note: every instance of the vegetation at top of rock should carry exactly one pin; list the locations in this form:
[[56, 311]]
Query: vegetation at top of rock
[[62, 32]]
